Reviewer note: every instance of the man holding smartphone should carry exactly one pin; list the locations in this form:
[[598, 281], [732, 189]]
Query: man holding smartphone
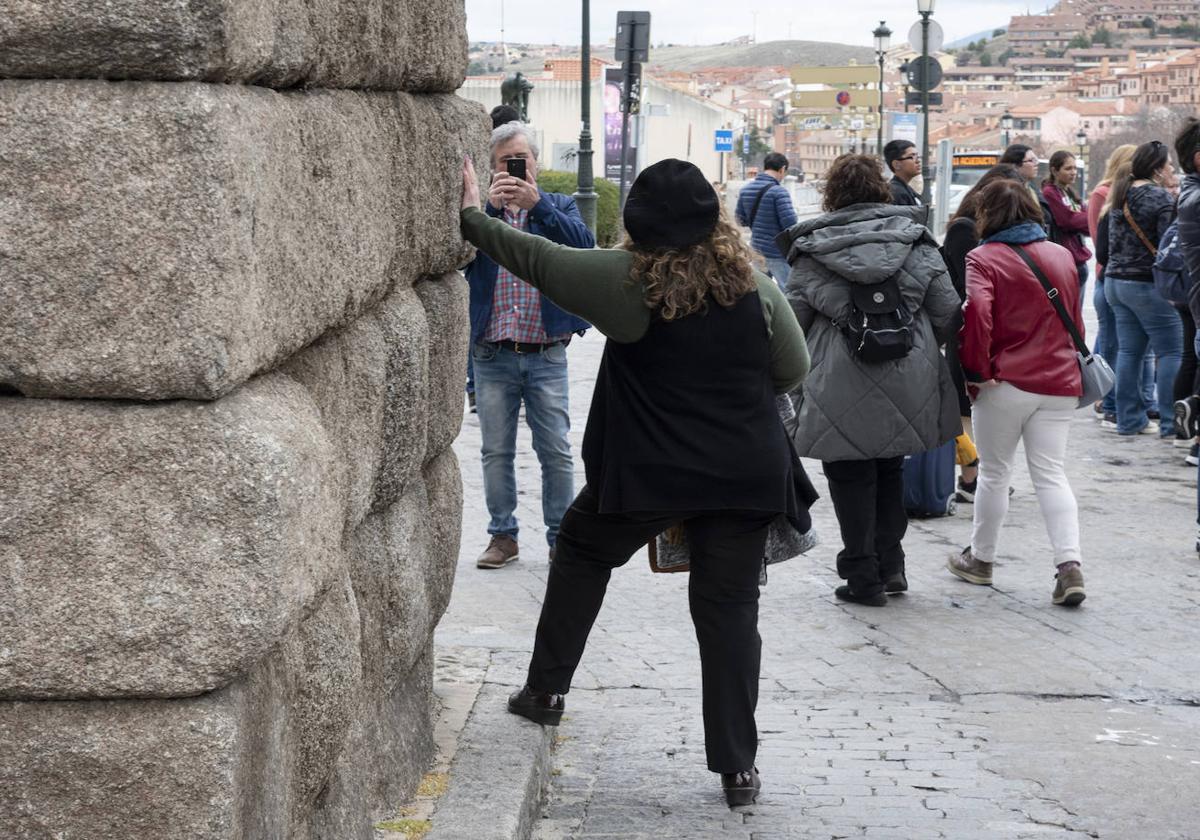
[[519, 348]]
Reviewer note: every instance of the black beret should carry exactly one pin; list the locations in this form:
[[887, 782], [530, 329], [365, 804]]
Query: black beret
[[671, 205]]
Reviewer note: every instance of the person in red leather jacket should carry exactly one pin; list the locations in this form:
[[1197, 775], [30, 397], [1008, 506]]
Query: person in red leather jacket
[[1019, 361], [1069, 211]]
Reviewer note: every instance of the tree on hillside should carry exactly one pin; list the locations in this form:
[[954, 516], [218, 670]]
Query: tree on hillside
[[1148, 23], [985, 59], [1080, 42], [996, 33], [1102, 37], [963, 59]]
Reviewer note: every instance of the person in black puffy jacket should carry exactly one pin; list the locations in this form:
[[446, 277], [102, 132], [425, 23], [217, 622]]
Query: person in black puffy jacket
[[1187, 149]]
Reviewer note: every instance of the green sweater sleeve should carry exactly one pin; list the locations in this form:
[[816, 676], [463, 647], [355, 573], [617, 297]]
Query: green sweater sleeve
[[789, 351], [593, 284]]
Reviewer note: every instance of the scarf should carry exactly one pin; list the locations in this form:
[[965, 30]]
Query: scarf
[[1019, 234]]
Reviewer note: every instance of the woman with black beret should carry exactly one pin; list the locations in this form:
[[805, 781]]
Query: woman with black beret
[[683, 428]]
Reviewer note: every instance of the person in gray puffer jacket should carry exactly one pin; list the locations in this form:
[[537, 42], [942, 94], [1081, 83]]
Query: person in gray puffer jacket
[[861, 418]]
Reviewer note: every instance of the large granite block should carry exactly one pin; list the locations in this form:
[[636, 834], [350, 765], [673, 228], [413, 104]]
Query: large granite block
[[172, 240], [402, 562], [445, 301], [243, 763], [388, 749], [385, 44], [159, 550]]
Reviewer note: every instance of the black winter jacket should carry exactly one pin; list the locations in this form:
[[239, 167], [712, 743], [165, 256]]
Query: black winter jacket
[[1189, 235], [1152, 208]]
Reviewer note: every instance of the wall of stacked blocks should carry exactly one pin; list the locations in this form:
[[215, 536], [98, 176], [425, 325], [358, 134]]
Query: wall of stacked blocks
[[232, 349]]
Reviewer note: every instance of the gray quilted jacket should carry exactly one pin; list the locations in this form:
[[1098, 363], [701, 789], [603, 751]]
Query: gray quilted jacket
[[848, 410]]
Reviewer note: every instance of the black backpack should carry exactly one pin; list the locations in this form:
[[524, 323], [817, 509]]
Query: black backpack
[[880, 327]]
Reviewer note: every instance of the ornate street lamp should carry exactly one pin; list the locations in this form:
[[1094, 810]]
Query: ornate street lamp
[[925, 9], [1006, 123], [883, 40], [585, 193]]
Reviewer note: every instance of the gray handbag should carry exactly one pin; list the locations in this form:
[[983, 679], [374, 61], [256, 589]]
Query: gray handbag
[[1097, 376], [783, 543]]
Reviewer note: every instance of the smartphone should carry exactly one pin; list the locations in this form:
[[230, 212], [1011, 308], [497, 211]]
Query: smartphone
[[516, 167]]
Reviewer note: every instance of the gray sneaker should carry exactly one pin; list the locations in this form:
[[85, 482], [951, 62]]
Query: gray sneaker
[[970, 568], [501, 551], [1068, 588]]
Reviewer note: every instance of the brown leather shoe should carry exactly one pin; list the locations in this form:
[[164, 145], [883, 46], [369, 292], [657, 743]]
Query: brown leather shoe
[[742, 787], [538, 706], [501, 551]]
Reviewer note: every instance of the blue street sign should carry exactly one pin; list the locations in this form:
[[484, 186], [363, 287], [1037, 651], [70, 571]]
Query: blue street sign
[[723, 140], [745, 144]]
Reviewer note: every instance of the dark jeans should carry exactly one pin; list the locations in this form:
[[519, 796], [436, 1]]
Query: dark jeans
[[726, 550], [1187, 381], [868, 498]]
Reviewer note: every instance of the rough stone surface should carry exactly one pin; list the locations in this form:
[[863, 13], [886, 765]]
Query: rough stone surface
[[386, 752], [445, 300], [386, 44], [402, 563], [172, 240], [159, 549], [242, 763], [406, 407]]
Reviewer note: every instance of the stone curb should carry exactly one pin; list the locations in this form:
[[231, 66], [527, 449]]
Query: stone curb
[[498, 776]]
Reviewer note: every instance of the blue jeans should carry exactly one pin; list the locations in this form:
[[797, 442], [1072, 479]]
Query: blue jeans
[[503, 379], [779, 270], [1106, 347], [1144, 318]]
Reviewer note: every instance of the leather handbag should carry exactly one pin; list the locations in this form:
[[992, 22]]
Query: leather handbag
[[1097, 376]]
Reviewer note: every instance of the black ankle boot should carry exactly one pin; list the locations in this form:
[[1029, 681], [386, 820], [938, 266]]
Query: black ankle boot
[[742, 787], [538, 706]]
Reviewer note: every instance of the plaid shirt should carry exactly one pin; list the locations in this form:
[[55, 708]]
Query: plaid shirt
[[517, 306]]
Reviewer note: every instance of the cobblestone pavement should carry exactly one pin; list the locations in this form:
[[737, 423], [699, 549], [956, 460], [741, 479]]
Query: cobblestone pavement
[[957, 711]]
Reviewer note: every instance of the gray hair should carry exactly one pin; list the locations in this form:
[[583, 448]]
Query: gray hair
[[503, 133]]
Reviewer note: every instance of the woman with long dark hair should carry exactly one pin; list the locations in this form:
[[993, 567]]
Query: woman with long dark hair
[[1139, 211], [683, 428], [1068, 210]]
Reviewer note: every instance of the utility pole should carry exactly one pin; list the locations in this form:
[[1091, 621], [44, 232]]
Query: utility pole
[[585, 193], [633, 47], [925, 8]]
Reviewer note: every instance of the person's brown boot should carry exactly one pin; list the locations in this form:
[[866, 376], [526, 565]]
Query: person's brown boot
[[501, 551], [1068, 588], [970, 568]]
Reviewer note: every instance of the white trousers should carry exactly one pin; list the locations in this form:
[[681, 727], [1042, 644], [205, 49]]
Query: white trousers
[[1003, 416]]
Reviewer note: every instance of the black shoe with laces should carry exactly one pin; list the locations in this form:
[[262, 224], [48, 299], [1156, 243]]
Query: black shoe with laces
[[1187, 418]]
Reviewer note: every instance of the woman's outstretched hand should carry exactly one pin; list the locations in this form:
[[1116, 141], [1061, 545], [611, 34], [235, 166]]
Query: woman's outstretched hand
[[470, 196]]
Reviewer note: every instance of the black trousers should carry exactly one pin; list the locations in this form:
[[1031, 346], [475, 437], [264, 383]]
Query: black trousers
[[1187, 381], [868, 498], [726, 550]]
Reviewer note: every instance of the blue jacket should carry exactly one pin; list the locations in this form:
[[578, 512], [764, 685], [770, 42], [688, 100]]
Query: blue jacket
[[554, 217], [775, 214]]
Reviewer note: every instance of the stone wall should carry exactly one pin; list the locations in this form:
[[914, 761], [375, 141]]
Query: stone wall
[[232, 347]]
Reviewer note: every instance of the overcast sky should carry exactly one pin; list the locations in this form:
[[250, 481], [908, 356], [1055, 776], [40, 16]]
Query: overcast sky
[[713, 21]]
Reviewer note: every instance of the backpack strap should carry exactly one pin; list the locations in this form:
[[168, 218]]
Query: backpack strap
[[1136, 229], [1052, 293], [758, 201]]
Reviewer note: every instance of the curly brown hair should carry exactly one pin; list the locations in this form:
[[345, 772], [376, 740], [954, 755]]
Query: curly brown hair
[[855, 179], [678, 281]]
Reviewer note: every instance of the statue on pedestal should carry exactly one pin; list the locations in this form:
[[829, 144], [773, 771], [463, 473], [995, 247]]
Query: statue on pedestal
[[514, 91]]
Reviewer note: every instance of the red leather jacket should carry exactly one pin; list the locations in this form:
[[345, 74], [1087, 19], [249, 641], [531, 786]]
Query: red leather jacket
[[1010, 330]]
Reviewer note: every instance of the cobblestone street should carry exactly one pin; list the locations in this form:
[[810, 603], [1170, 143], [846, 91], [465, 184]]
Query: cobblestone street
[[956, 711]]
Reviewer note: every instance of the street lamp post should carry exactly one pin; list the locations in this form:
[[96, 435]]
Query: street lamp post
[[904, 76], [585, 193], [883, 37], [1081, 140], [1006, 123], [925, 9]]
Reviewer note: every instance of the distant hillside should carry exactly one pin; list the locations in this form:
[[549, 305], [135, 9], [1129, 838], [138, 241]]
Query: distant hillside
[[962, 42], [768, 54]]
